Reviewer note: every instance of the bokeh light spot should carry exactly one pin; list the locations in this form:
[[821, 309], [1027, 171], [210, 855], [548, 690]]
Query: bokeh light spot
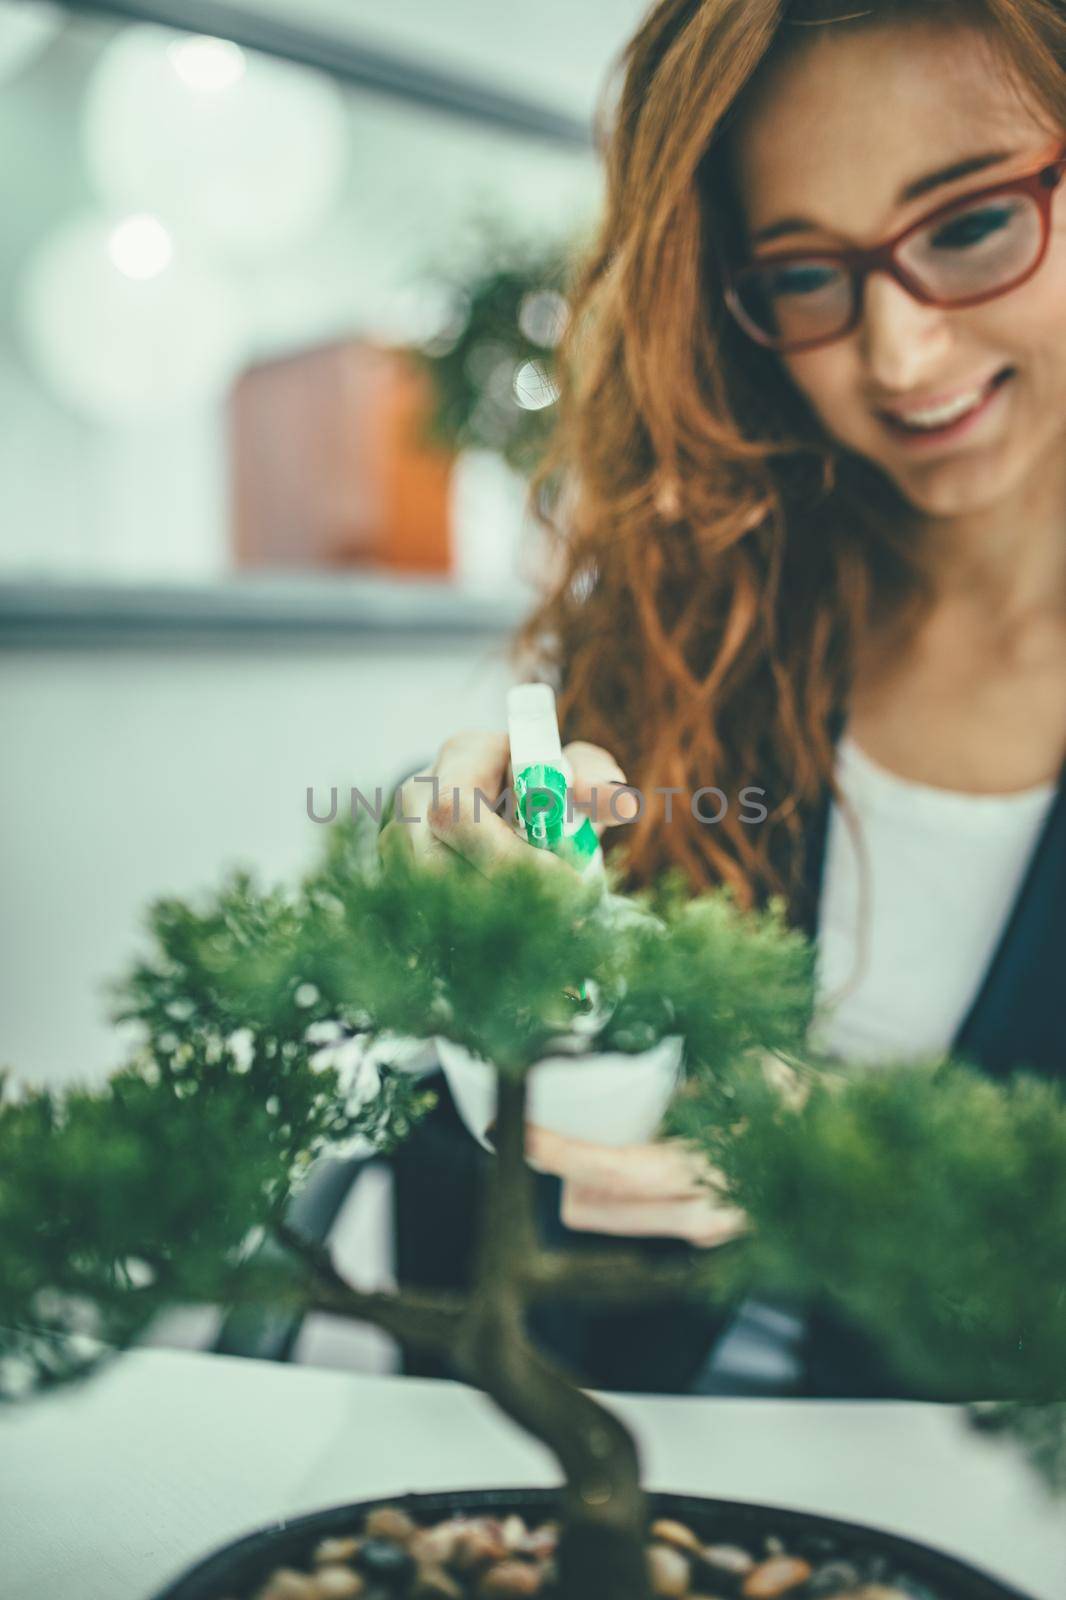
[[140, 247]]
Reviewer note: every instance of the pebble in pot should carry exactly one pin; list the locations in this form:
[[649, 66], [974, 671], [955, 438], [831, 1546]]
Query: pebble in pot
[[666, 1531], [725, 1567], [330, 1552], [389, 1522], [776, 1577], [831, 1579], [434, 1547], [511, 1580], [385, 1562], [433, 1583], [287, 1584], [670, 1571], [479, 1543], [338, 1583]]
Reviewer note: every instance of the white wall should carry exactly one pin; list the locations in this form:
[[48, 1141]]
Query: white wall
[[130, 773]]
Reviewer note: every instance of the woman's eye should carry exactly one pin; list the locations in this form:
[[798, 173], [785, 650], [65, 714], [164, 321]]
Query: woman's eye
[[798, 280], [972, 227]]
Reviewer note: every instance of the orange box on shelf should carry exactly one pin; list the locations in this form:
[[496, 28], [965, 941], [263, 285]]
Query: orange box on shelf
[[330, 465]]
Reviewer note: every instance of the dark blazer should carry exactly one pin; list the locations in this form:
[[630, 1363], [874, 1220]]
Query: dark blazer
[[1017, 1020]]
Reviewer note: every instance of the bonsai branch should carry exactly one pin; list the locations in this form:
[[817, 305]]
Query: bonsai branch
[[428, 1321], [620, 1277]]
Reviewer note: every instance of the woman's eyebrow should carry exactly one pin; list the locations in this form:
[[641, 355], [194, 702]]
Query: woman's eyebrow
[[910, 191], [958, 169]]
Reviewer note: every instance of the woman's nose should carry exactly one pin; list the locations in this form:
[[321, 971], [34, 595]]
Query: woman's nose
[[902, 340]]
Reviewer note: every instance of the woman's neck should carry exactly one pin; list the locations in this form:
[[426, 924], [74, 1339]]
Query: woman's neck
[[969, 691], [1005, 564]]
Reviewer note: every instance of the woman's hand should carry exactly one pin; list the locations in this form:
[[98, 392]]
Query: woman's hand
[[445, 817], [663, 1190]]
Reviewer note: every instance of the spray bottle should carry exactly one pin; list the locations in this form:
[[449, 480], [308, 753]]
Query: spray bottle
[[542, 781]]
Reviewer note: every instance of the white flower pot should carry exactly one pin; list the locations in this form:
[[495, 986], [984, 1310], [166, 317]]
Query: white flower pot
[[611, 1098]]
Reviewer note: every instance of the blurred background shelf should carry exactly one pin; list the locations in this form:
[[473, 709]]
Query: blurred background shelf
[[380, 66], [305, 609]]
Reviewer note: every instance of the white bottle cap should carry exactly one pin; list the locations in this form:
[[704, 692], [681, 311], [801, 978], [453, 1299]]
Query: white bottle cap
[[533, 727]]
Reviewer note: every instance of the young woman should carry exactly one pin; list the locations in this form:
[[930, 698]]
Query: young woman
[[810, 490]]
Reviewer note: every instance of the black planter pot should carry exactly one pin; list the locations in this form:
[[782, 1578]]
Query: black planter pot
[[238, 1568]]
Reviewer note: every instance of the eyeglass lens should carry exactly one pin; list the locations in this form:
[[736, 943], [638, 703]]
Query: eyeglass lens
[[979, 247]]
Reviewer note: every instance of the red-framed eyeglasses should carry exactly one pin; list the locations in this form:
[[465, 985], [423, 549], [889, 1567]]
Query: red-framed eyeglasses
[[960, 254]]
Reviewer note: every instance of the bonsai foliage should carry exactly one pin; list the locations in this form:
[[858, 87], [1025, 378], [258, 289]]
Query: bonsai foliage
[[256, 1011], [926, 1201]]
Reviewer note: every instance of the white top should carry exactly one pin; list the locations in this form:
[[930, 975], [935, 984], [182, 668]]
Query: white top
[[909, 922]]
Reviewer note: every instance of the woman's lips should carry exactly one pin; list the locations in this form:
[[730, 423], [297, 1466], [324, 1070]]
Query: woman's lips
[[918, 437]]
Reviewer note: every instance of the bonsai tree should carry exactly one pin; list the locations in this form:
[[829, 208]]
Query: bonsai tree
[[928, 1201]]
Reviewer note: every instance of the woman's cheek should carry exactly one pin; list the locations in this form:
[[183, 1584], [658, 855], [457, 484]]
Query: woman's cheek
[[828, 385], [1027, 327], [1047, 330]]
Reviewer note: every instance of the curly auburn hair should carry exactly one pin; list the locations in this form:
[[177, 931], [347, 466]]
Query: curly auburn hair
[[717, 556]]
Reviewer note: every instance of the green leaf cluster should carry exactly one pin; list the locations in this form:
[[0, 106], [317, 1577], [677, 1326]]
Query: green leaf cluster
[[115, 1204], [924, 1200], [731, 983], [499, 963], [120, 1200]]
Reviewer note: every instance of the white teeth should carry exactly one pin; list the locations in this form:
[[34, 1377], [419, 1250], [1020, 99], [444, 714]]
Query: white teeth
[[939, 416]]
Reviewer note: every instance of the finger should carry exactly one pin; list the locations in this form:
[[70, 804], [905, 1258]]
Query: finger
[[701, 1222], [430, 852], [667, 1169], [408, 836], [599, 789], [469, 780], [718, 1226]]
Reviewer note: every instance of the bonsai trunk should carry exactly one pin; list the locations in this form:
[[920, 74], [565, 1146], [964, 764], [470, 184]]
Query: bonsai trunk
[[602, 1546]]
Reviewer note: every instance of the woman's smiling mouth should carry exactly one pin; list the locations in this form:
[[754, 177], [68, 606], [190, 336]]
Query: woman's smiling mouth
[[942, 420]]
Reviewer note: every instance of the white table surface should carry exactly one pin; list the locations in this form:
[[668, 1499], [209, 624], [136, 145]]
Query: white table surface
[[108, 1490]]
